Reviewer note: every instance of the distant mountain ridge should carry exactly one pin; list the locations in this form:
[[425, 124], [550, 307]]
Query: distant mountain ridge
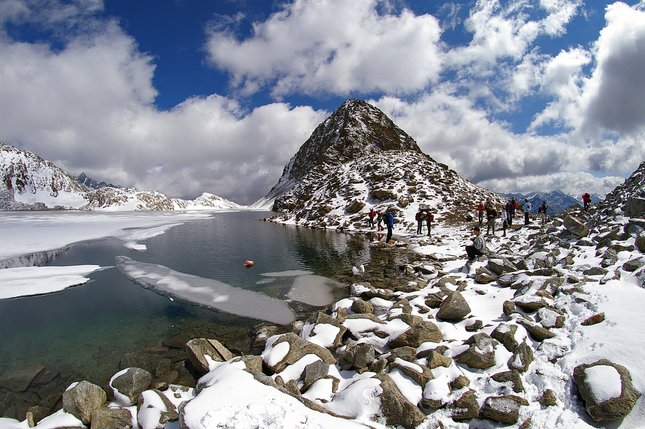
[[32, 183], [358, 159], [557, 201]]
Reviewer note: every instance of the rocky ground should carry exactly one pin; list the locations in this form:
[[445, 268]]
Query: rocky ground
[[424, 340]]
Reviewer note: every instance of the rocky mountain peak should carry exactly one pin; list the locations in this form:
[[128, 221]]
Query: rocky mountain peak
[[358, 158], [355, 129]]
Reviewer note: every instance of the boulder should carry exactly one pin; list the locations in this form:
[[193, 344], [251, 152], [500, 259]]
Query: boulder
[[522, 357], [501, 266], [357, 356], [505, 334], [111, 418], [575, 226], [297, 348], [550, 317], [436, 359], [199, 348], [313, 372], [454, 308], [606, 388], [481, 353], [420, 331], [465, 407], [130, 383], [360, 306], [593, 320], [514, 377], [635, 207], [419, 373], [155, 409], [19, 379], [640, 241], [548, 398], [355, 207], [397, 410], [83, 399], [503, 409], [537, 332]]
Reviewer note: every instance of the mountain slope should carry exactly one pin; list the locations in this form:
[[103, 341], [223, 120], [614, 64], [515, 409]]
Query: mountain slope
[[32, 183], [358, 159]]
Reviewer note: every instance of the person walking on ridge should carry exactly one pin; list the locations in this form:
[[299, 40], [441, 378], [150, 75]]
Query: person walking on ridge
[[542, 212], [429, 220], [480, 213], [419, 218], [379, 220], [389, 222], [527, 210], [372, 215], [504, 219]]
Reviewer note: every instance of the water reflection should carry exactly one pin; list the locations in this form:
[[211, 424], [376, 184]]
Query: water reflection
[[83, 332]]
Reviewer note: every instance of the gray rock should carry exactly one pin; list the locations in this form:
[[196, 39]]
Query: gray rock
[[111, 418], [522, 358], [397, 410], [19, 380], [484, 276], [634, 264], [297, 349], [313, 372], [505, 334], [421, 378], [537, 332], [595, 271], [454, 308], [147, 407], [132, 383], [575, 226], [612, 408], [609, 258], [640, 241], [465, 407], [357, 356], [514, 377], [635, 207], [481, 353], [199, 348], [362, 307], [419, 333], [503, 409], [548, 398], [83, 400], [501, 266], [550, 317], [406, 353]]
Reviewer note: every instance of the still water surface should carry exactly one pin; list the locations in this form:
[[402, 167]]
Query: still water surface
[[84, 331]]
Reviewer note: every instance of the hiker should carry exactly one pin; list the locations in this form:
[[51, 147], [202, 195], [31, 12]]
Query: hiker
[[429, 220], [389, 222], [491, 214], [419, 218], [504, 219], [379, 219], [480, 212], [542, 212], [478, 247], [510, 210], [372, 215], [586, 200], [527, 209]]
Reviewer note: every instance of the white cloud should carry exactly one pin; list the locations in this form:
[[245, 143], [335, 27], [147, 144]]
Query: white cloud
[[613, 96], [312, 46]]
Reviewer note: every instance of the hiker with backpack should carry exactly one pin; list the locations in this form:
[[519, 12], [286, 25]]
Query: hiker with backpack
[[491, 214], [372, 215], [419, 218], [389, 222], [480, 212], [527, 210], [586, 200], [429, 220], [504, 219]]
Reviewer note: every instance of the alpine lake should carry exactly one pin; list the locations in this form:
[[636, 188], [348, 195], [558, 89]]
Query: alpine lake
[[89, 332]]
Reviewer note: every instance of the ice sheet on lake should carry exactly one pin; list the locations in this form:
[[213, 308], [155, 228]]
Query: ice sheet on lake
[[206, 292], [288, 273], [313, 290], [26, 281]]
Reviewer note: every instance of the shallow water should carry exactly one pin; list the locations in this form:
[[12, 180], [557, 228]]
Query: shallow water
[[82, 332]]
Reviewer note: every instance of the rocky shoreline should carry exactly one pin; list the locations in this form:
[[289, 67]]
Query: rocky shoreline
[[410, 328]]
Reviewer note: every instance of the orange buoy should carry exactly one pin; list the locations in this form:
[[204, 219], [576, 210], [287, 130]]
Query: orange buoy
[[248, 264]]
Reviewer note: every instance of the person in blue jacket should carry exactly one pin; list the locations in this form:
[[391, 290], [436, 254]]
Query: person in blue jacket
[[389, 222]]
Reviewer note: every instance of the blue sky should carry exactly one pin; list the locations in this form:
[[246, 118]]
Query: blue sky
[[192, 96]]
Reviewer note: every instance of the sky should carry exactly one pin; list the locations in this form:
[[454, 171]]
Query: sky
[[193, 96]]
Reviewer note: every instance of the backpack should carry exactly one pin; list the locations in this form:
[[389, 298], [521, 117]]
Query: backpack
[[430, 217]]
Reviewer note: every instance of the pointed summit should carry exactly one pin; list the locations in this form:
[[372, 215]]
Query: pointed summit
[[358, 157]]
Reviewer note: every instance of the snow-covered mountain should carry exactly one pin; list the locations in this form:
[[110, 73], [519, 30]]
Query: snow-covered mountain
[[358, 159], [93, 183], [557, 201], [32, 183]]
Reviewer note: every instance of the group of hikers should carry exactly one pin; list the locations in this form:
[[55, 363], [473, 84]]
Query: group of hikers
[[507, 214], [376, 218]]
